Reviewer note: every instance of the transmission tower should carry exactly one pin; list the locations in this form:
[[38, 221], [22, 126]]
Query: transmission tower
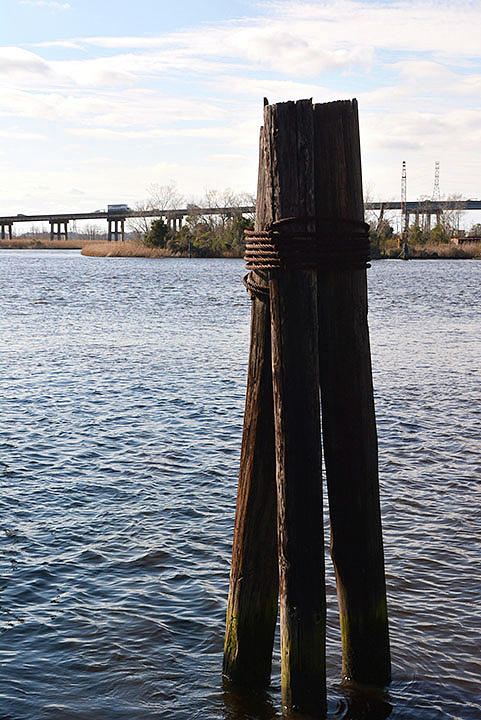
[[436, 194], [404, 216]]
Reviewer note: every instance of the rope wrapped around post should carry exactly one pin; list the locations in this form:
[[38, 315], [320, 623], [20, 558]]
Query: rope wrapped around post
[[336, 244]]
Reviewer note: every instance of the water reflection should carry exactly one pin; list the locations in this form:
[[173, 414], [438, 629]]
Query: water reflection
[[355, 704], [363, 704], [248, 705]]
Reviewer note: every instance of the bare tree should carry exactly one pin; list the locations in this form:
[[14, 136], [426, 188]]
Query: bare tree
[[92, 232], [452, 219], [377, 219], [165, 197], [160, 198]]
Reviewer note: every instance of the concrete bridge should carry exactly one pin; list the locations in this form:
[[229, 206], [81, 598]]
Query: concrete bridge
[[174, 218], [423, 210], [115, 219]]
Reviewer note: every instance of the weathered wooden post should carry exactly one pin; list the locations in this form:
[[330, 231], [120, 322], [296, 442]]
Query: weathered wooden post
[[253, 589], [307, 256], [289, 129], [286, 190], [348, 419]]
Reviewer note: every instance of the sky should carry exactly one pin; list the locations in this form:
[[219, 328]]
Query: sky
[[100, 99]]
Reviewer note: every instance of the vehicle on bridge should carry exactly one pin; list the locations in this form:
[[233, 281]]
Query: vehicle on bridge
[[117, 208]]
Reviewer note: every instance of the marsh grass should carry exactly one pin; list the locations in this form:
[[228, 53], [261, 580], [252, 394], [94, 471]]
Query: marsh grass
[[128, 248], [29, 243], [466, 251]]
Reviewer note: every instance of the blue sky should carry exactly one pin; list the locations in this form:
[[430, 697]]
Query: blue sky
[[99, 100]]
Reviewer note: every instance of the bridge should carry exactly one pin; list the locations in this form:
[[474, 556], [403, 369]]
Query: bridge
[[175, 217], [423, 210], [115, 219]]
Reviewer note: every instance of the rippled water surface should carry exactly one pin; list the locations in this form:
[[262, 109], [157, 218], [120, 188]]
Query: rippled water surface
[[122, 397]]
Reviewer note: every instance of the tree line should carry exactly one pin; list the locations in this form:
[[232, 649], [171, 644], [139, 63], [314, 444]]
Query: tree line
[[385, 242], [222, 235], [201, 235]]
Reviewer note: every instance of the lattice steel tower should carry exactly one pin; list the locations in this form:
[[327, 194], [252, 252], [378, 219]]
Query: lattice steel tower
[[404, 215], [436, 193]]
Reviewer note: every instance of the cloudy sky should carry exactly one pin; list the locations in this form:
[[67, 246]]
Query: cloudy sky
[[101, 98]]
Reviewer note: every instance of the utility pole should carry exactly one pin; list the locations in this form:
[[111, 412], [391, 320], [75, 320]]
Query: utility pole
[[404, 212]]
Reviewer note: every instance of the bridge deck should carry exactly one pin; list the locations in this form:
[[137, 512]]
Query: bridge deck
[[424, 206]]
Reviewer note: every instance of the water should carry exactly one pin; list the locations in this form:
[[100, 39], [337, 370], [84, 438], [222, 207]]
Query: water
[[122, 398]]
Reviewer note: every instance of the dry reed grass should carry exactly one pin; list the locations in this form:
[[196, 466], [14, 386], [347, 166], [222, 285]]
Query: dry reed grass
[[29, 243], [128, 248], [466, 251]]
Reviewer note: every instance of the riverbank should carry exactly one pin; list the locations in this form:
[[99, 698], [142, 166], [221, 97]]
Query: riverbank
[[26, 243], [431, 251], [29, 243], [446, 251], [132, 248], [126, 248]]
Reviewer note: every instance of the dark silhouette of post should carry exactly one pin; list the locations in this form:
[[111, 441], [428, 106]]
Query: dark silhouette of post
[[307, 256], [348, 419], [253, 589], [289, 129]]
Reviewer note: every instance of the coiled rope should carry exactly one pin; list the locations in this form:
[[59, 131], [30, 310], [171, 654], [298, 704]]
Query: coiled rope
[[336, 244]]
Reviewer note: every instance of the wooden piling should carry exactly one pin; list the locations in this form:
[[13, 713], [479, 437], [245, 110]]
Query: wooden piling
[[309, 330], [253, 589], [293, 293], [348, 419]]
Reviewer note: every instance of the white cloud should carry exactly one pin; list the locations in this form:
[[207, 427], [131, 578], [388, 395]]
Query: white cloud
[[16, 63], [20, 135], [303, 38], [49, 4], [413, 64]]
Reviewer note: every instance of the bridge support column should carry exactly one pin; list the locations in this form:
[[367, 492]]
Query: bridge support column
[[9, 227], [114, 231], [56, 231]]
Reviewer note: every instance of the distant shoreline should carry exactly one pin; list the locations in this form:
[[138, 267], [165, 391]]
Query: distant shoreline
[[130, 248], [36, 244]]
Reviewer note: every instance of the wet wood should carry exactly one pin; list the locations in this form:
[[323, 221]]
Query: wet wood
[[348, 418], [295, 368], [253, 590]]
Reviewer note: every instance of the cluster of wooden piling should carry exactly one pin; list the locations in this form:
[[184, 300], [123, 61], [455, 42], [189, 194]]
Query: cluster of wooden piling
[[309, 346]]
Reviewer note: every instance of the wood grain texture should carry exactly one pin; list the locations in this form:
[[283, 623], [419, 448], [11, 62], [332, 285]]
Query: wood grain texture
[[348, 417], [253, 590], [295, 371]]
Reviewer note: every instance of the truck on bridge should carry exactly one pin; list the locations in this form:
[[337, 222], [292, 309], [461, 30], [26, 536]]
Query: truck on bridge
[[118, 208]]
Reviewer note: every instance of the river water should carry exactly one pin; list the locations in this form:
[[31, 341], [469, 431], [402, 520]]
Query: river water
[[122, 398]]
